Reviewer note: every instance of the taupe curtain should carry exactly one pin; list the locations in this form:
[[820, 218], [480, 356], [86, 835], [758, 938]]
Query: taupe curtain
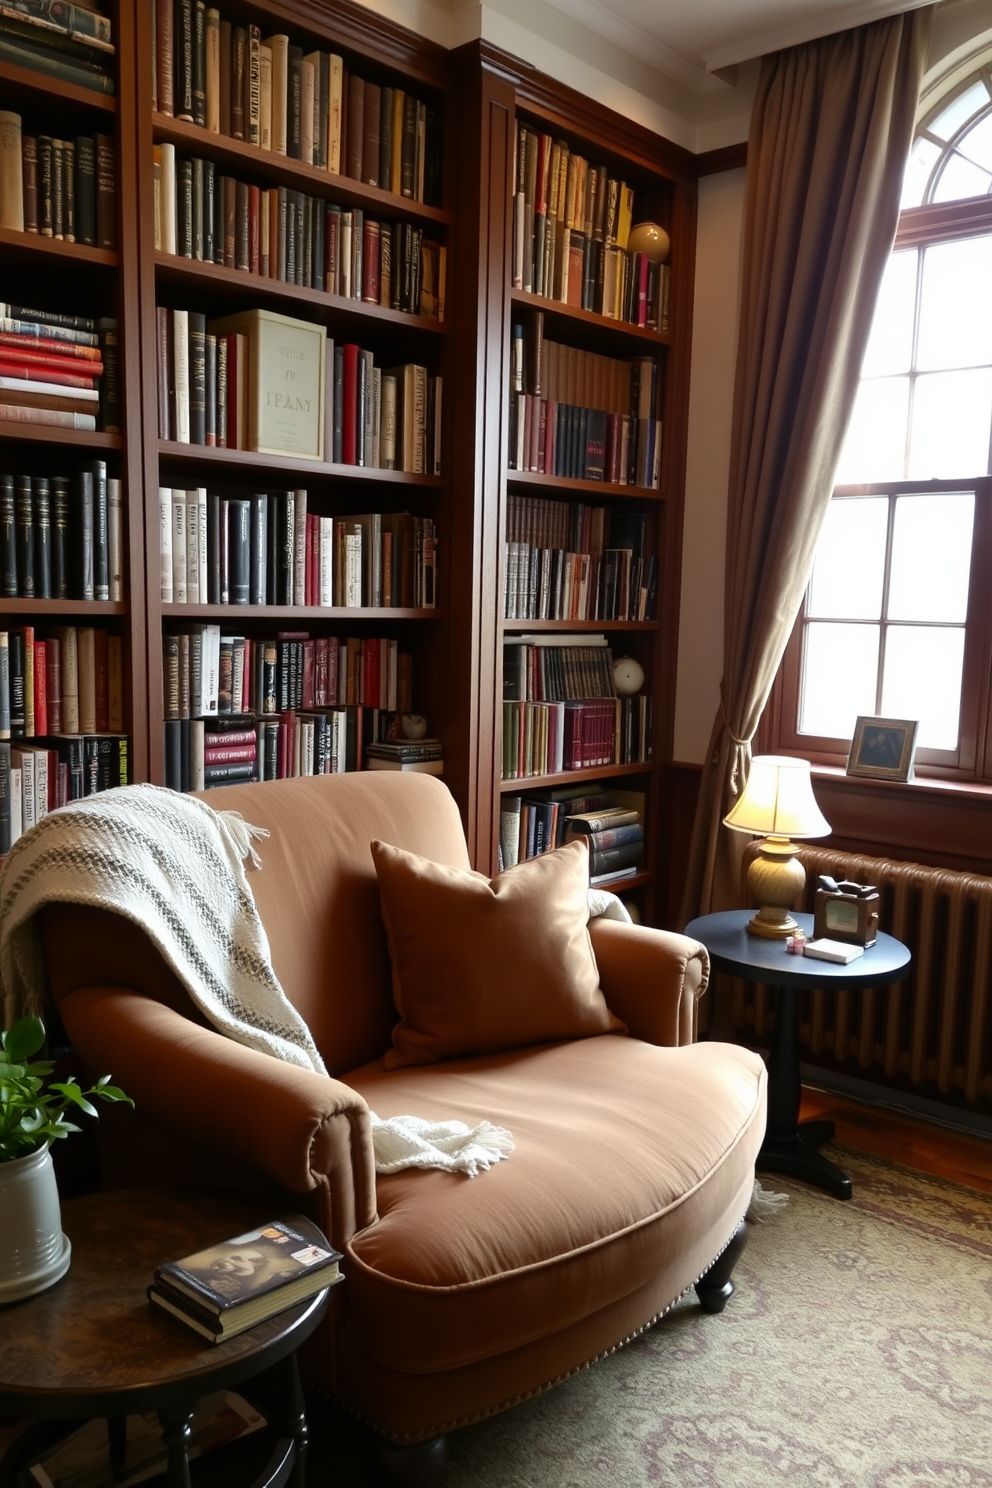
[[830, 134]]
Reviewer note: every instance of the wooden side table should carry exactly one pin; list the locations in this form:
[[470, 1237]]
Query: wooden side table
[[790, 1146], [92, 1345]]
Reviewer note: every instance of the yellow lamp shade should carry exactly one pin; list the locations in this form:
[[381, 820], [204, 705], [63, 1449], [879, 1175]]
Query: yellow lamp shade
[[778, 803]]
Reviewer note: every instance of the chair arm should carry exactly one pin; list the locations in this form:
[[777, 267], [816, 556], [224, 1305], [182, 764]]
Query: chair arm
[[300, 1128], [652, 979]]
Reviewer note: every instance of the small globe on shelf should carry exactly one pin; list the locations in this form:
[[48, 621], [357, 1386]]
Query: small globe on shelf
[[628, 676], [650, 239]]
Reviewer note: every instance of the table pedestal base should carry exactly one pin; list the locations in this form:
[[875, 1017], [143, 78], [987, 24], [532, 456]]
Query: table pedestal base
[[796, 1155]]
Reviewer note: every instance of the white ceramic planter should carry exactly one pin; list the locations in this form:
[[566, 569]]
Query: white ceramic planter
[[34, 1253]]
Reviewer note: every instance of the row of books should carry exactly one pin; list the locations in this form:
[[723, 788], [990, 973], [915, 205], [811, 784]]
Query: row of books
[[571, 221], [557, 668], [59, 369], [224, 76], [67, 680], [64, 189], [268, 549], [612, 822], [61, 536], [571, 561], [221, 384], [68, 42], [211, 673], [37, 778], [202, 753], [280, 233], [541, 738]]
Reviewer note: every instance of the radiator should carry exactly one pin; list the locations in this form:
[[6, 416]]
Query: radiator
[[932, 1031]]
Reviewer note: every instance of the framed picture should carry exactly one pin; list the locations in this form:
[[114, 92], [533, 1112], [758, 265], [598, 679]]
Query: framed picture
[[883, 748]]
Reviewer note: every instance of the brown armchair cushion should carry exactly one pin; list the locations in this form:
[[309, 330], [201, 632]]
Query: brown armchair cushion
[[480, 966]]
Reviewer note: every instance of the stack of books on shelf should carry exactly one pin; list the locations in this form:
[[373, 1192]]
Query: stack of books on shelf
[[61, 535], [575, 413], [233, 1285], [611, 821], [561, 710], [422, 755], [58, 369], [571, 221], [268, 548], [571, 561], [64, 189], [281, 233], [69, 42], [220, 73]]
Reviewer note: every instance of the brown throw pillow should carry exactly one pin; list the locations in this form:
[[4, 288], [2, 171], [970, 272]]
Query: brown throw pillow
[[479, 967]]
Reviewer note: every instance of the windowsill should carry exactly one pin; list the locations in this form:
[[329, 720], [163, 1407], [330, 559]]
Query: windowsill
[[938, 784]]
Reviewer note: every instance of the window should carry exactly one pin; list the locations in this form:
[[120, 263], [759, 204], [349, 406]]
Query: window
[[897, 618]]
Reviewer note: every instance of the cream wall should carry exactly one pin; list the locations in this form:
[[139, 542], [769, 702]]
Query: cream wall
[[711, 390]]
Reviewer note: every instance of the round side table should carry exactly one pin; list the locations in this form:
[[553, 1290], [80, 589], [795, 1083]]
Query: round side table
[[92, 1345], [791, 1146]]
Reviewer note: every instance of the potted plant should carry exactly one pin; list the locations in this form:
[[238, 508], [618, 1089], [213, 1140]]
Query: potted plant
[[34, 1253]]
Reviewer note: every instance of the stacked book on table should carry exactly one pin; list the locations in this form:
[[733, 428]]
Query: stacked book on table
[[231, 1286]]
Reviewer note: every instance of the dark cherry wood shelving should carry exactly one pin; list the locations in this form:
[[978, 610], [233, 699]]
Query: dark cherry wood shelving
[[574, 777], [19, 82], [297, 613], [566, 317], [572, 485], [86, 439], [246, 462], [78, 253]]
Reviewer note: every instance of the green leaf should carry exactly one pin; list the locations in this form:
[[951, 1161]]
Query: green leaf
[[73, 1094], [24, 1038]]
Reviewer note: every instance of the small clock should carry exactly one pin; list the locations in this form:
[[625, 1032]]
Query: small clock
[[846, 911]]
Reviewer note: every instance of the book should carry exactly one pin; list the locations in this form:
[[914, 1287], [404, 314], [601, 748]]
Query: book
[[285, 365], [228, 1287], [825, 949]]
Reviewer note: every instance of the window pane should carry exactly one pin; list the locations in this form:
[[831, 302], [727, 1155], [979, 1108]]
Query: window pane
[[956, 306], [849, 567], [951, 419], [977, 143], [922, 680], [875, 447], [958, 110], [960, 179], [931, 557], [890, 346], [839, 677], [921, 162]]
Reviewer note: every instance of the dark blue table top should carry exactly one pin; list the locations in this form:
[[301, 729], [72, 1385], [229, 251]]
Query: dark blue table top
[[756, 959]]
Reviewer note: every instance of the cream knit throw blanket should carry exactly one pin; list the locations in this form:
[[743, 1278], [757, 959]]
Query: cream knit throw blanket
[[174, 866]]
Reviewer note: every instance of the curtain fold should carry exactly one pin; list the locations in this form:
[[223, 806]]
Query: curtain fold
[[831, 130]]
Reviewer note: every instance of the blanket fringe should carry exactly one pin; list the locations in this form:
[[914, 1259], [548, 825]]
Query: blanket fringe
[[241, 835]]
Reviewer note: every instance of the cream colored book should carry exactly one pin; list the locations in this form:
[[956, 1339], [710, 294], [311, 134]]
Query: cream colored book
[[11, 172], [168, 198], [265, 96], [279, 47], [285, 382], [334, 104]]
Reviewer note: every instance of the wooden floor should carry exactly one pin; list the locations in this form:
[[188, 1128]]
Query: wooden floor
[[914, 1143]]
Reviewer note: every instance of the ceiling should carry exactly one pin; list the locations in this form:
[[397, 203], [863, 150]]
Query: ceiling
[[691, 40]]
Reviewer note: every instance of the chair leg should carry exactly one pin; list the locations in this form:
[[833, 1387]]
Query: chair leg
[[715, 1288], [417, 1466]]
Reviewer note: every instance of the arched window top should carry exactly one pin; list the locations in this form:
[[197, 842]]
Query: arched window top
[[951, 159]]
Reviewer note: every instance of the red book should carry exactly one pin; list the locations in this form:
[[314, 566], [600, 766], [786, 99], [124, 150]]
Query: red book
[[32, 372], [370, 673], [254, 220], [44, 359], [641, 267], [313, 558], [222, 754], [370, 262], [349, 404], [333, 670], [232, 739], [307, 687], [45, 344], [53, 683], [40, 689], [287, 740]]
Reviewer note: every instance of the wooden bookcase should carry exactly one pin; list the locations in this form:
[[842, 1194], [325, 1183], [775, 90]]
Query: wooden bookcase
[[501, 92], [480, 94]]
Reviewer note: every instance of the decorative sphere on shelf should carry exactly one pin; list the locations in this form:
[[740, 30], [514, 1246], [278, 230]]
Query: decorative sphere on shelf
[[649, 238], [414, 725], [628, 675]]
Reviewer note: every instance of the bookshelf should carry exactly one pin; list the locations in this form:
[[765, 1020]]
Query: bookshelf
[[551, 490], [469, 485], [259, 270]]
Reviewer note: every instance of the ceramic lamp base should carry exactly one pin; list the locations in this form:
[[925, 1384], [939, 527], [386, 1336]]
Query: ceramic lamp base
[[775, 880]]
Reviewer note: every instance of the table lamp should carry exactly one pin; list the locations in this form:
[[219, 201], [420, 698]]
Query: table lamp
[[778, 803]]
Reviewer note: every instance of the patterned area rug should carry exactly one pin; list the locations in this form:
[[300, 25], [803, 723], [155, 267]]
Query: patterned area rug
[[856, 1353]]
